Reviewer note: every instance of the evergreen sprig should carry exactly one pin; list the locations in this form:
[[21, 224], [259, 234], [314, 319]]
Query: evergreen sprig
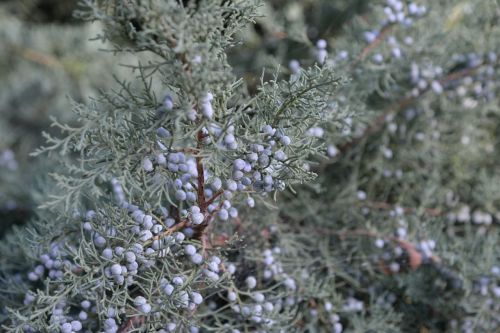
[[378, 144]]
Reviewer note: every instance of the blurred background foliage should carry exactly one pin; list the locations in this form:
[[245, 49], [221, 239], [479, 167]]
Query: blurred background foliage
[[47, 63]]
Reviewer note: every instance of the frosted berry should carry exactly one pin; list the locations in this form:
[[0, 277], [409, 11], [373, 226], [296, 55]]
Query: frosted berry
[[189, 249], [251, 282]]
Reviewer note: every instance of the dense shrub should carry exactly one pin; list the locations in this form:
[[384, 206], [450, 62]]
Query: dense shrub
[[353, 188]]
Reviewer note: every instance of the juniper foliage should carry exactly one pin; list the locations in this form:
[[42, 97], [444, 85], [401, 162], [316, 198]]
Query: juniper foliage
[[353, 191]]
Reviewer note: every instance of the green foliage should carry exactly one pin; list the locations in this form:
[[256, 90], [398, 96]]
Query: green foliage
[[371, 162]]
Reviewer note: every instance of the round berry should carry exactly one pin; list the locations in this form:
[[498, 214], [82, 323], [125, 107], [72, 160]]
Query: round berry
[[223, 214], [130, 256], [196, 298], [107, 253], [85, 304], [231, 296], [197, 258], [139, 300], [145, 308], [147, 165], [168, 289], [285, 140], [178, 280], [163, 132], [179, 237], [239, 164], [259, 297], [87, 226], [99, 241], [189, 249], [197, 218], [66, 328], [83, 315], [76, 325], [116, 269], [251, 282], [180, 195], [321, 44]]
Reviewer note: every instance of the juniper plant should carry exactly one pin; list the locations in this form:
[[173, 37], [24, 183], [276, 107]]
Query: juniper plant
[[178, 155], [166, 221]]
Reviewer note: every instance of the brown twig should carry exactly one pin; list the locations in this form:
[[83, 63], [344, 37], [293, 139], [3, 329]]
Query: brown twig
[[435, 212], [192, 151], [201, 175], [377, 124], [368, 48], [214, 197], [201, 231], [400, 105], [169, 231], [39, 57], [131, 323], [206, 244], [415, 257]]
